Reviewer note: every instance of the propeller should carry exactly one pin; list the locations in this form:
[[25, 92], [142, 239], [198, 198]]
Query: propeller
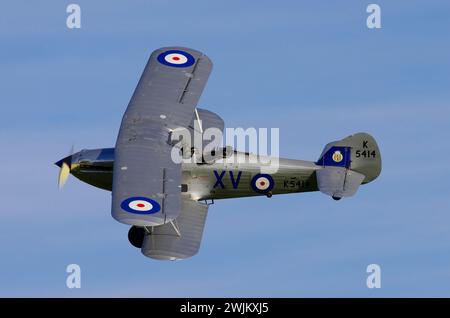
[[65, 167]]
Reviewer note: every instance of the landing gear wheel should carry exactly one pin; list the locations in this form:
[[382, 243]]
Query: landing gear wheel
[[136, 236], [336, 198], [269, 194]]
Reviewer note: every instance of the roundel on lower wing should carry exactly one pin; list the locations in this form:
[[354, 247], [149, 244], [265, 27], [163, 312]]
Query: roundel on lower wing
[[262, 183], [140, 205], [176, 58]]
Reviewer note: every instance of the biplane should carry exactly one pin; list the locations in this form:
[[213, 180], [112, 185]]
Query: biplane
[[164, 202]]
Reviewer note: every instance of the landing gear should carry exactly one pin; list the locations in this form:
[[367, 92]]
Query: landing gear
[[269, 194], [136, 236], [336, 198]]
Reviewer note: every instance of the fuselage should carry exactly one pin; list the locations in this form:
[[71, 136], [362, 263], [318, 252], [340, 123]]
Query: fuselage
[[204, 181]]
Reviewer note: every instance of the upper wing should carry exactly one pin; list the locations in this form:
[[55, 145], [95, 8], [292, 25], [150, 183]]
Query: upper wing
[[181, 239], [146, 182]]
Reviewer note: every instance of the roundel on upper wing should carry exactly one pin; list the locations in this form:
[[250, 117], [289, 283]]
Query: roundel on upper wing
[[337, 156], [140, 205], [262, 183], [176, 58]]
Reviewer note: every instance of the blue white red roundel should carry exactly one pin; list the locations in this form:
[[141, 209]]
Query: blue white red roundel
[[176, 58], [140, 205], [262, 183]]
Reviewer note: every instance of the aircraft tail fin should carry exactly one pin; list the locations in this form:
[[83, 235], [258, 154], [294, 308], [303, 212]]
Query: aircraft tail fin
[[347, 163]]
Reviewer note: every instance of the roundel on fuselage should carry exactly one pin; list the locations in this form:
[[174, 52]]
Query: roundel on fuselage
[[262, 183]]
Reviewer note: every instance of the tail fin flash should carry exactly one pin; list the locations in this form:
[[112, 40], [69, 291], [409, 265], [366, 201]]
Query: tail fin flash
[[336, 156], [347, 163]]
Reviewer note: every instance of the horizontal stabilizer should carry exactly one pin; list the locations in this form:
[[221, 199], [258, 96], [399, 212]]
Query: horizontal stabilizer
[[338, 182]]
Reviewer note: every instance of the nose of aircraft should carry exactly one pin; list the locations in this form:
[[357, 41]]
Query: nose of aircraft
[[66, 165], [67, 160]]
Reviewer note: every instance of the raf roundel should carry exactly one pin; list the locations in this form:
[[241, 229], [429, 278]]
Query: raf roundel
[[262, 183], [140, 205], [176, 58]]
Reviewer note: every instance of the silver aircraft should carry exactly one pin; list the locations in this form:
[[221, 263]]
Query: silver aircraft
[[166, 202]]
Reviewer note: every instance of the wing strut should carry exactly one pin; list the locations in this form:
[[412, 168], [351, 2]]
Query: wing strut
[[163, 199], [198, 120], [175, 227]]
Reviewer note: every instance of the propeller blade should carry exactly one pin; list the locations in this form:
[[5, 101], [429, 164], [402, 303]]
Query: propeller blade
[[63, 174], [65, 168]]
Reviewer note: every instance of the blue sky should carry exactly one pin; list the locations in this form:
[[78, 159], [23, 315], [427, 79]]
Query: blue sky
[[311, 68]]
